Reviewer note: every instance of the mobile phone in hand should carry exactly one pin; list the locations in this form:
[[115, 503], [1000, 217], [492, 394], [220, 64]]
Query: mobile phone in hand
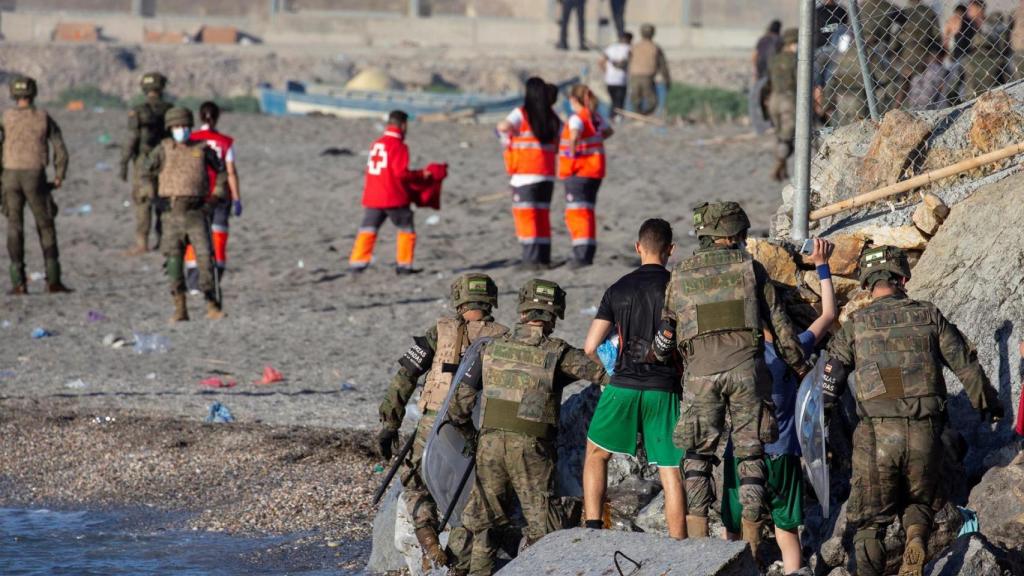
[[808, 247]]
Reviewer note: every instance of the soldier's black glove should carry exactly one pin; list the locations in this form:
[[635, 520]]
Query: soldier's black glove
[[993, 413], [664, 341], [387, 443]]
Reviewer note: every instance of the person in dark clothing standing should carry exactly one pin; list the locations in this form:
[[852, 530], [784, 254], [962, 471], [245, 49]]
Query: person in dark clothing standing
[[568, 7], [828, 16], [767, 46], [619, 16], [643, 396]]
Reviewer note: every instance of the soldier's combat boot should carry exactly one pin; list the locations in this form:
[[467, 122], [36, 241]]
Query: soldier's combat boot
[[140, 247], [780, 172], [752, 535], [180, 309], [433, 555], [696, 526], [53, 283], [213, 310], [18, 285], [914, 552]]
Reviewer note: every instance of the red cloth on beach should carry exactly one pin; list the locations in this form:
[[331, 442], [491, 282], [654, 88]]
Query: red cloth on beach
[[427, 193]]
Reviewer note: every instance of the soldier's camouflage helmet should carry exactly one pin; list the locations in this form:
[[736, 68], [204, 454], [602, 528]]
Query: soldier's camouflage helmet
[[720, 219], [178, 116], [790, 36], [153, 81], [474, 291], [543, 295], [23, 87], [882, 263]]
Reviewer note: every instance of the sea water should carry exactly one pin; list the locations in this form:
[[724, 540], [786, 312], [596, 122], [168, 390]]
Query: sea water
[[48, 542]]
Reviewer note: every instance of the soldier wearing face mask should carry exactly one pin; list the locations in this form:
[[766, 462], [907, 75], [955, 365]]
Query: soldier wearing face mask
[[180, 166]]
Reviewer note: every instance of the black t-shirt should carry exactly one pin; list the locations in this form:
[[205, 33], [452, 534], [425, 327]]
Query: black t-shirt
[[633, 305]]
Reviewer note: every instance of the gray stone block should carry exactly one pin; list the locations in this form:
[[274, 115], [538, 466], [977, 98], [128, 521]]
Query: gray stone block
[[580, 551]]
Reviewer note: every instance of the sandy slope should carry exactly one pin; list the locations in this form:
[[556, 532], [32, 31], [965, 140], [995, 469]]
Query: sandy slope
[[291, 305]]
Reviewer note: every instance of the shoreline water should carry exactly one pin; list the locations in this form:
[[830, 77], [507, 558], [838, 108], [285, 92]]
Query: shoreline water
[[307, 491]]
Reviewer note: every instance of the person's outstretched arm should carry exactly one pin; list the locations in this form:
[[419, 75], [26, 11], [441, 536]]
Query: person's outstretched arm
[[829, 311]]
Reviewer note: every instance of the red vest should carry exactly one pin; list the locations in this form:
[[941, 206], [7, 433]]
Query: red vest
[[587, 161], [387, 172], [220, 143], [528, 155]]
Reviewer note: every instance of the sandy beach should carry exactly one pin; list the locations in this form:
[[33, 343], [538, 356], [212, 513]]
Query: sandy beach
[[297, 457]]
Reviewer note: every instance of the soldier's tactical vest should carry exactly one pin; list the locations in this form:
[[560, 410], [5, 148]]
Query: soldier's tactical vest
[[715, 291], [519, 387], [152, 131], [896, 354], [782, 71], [25, 139], [184, 170], [453, 338]]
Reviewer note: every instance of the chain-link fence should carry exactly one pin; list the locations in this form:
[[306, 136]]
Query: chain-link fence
[[874, 55]]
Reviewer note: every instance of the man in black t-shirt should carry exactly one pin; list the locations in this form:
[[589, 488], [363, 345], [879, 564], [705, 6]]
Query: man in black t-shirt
[[643, 397]]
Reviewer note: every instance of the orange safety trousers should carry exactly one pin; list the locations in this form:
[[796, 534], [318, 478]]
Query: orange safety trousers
[[580, 219], [531, 214], [366, 238]]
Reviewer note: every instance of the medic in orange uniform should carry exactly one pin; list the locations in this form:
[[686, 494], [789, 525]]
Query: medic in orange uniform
[[386, 195], [219, 210], [530, 135], [581, 164]]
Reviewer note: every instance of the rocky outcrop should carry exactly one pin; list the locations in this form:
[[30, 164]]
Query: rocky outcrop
[[582, 551], [892, 150], [974, 555], [999, 501]]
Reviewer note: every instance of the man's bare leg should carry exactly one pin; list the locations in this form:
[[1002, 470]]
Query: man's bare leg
[[675, 501], [789, 544], [595, 481]]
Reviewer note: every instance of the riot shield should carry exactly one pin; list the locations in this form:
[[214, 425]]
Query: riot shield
[[811, 433], [444, 466]]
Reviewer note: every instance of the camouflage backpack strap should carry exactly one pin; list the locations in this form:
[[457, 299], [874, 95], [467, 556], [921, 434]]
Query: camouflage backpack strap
[[451, 339]]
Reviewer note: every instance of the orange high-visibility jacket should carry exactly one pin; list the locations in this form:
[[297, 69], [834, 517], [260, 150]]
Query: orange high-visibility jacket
[[587, 161], [528, 155]]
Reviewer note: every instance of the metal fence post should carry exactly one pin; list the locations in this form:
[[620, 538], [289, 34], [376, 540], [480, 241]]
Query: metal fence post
[[862, 57], [804, 118]]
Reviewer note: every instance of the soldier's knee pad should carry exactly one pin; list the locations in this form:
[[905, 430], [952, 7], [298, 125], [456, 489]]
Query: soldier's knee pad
[[869, 552]]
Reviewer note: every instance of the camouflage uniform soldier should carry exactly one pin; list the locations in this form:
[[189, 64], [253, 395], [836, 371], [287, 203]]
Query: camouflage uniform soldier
[[987, 64], [918, 33], [28, 134], [782, 101], [717, 304], [519, 379], [897, 348], [145, 132], [843, 97], [436, 354], [180, 167]]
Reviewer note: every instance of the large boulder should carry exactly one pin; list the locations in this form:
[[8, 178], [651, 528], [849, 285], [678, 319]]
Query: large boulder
[[973, 270], [999, 501], [582, 551], [974, 555]]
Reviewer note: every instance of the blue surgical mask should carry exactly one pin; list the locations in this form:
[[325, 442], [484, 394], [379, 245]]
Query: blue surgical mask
[[181, 133]]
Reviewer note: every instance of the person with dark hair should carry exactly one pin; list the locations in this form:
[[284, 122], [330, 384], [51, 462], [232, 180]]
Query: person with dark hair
[[767, 46], [386, 196], [928, 89], [219, 209], [530, 138], [568, 7], [643, 396], [615, 61]]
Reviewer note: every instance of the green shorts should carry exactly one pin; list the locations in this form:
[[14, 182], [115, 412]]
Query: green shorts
[[622, 413], [785, 488]]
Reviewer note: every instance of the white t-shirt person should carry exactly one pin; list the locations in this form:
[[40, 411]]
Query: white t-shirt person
[[617, 53]]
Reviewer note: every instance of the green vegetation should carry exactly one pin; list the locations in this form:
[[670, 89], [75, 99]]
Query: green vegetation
[[704, 104], [91, 95]]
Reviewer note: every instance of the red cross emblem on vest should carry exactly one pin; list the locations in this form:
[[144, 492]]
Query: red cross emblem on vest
[[378, 159]]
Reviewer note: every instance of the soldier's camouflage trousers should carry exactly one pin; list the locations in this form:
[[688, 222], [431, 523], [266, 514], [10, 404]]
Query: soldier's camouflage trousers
[[146, 203], [895, 460], [510, 464], [421, 504], [746, 392], [782, 109], [186, 222], [21, 187]]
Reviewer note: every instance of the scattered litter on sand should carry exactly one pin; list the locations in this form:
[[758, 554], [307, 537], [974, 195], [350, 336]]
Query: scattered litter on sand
[[347, 386], [40, 333], [219, 413], [215, 382], [79, 383], [95, 316], [270, 376], [145, 343]]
